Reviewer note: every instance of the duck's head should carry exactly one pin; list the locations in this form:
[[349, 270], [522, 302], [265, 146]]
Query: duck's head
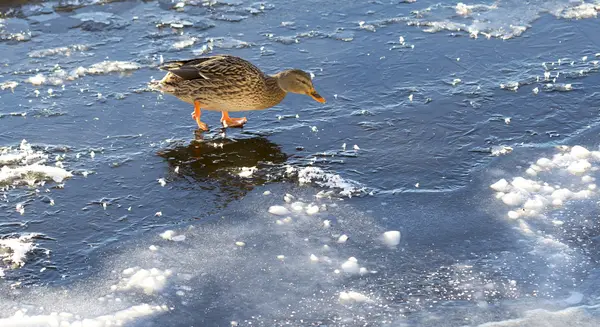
[[298, 81]]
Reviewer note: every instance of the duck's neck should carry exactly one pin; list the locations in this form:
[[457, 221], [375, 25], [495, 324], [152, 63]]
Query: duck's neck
[[274, 94]]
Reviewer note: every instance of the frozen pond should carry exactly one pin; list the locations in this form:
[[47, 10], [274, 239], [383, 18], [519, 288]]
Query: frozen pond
[[449, 180]]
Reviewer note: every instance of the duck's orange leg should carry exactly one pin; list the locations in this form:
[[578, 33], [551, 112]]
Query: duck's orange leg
[[197, 114], [232, 122]]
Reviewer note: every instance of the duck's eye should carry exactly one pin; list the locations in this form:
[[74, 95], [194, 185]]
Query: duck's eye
[[301, 81]]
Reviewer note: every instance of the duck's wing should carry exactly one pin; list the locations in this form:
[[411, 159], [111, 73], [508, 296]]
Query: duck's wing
[[210, 68]]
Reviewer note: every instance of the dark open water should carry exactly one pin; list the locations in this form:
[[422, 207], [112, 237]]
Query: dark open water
[[423, 165]]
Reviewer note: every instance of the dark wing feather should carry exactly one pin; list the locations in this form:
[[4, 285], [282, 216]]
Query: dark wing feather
[[218, 67], [181, 63], [186, 69], [188, 73], [204, 68]]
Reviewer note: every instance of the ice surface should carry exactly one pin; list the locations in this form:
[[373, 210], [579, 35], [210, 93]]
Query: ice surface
[[502, 19], [583, 316], [118, 318], [262, 264]]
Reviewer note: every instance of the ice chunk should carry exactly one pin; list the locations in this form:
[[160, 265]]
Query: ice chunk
[[353, 297], [581, 11], [9, 85], [168, 235], [351, 266], [583, 194], [579, 167], [342, 239], [537, 203], [288, 198], [312, 209], [297, 206], [38, 79], [587, 179], [513, 214], [525, 184], [25, 166], [247, 172], [14, 250], [562, 194], [279, 210], [149, 280], [318, 176], [63, 51], [580, 152], [501, 150], [391, 238], [514, 198], [530, 171], [188, 42], [544, 162], [501, 186]]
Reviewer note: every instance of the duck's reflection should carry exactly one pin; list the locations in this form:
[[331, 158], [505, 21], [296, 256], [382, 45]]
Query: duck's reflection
[[217, 164]]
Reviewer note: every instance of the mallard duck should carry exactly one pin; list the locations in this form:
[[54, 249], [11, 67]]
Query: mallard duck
[[227, 83]]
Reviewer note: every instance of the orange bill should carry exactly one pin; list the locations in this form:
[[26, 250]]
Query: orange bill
[[317, 97]]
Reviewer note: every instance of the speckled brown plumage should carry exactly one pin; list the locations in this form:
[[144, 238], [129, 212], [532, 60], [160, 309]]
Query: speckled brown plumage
[[222, 83], [228, 83]]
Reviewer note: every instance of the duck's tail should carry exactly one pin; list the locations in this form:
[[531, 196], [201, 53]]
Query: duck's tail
[[161, 86], [155, 85]]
